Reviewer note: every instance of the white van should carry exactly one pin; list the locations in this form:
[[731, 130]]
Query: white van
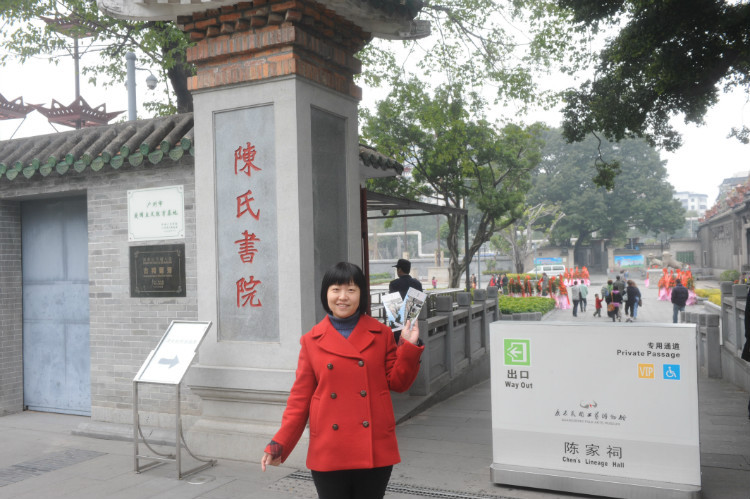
[[550, 269]]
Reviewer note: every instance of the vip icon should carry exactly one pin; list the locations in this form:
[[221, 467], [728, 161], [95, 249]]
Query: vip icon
[[646, 371]]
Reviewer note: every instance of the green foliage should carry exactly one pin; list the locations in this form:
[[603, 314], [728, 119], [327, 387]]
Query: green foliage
[[453, 156], [158, 44], [494, 44], [729, 275], [641, 197], [513, 305], [670, 57]]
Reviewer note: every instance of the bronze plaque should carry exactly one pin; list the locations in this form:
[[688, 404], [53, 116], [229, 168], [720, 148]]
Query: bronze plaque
[[157, 271]]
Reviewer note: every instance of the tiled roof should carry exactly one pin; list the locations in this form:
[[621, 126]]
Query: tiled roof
[[136, 143], [373, 159]]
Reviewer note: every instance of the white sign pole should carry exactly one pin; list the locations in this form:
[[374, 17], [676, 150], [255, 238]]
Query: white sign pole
[[610, 411]]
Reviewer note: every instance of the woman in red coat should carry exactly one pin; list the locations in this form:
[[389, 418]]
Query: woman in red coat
[[348, 364]]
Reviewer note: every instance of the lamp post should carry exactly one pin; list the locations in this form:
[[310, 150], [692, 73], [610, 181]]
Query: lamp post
[[151, 82]]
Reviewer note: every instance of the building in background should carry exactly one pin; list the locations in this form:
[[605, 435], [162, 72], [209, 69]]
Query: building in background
[[693, 201], [730, 183]]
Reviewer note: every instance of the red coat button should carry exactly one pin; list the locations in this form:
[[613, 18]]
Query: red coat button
[[363, 393], [365, 423], [335, 427]]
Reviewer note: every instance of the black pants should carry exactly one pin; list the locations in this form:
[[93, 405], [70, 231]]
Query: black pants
[[352, 484]]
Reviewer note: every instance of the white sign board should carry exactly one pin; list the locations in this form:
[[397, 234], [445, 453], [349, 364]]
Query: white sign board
[[595, 404], [170, 360], [155, 214]]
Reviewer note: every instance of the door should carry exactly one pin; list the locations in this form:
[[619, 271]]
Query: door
[[56, 364]]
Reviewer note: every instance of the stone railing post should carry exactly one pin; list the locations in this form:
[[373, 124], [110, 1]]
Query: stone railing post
[[726, 293], [710, 327], [492, 294]]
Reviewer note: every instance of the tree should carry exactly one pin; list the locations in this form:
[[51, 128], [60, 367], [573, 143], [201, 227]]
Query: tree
[[485, 44], [454, 157], [516, 238], [474, 43], [158, 44], [670, 57], [641, 197]]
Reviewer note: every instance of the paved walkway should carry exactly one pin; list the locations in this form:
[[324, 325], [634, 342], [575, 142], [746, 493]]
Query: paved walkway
[[446, 452]]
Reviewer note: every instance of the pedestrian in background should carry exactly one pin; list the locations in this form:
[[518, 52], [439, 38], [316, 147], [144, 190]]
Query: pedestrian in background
[[633, 301], [348, 364], [597, 306], [404, 280], [679, 299], [583, 290], [575, 296]]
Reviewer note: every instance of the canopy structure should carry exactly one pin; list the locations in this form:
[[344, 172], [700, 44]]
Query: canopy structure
[[377, 205]]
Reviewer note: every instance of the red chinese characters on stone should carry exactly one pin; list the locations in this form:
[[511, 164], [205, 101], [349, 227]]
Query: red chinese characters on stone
[[247, 249], [243, 205], [246, 156], [246, 292]]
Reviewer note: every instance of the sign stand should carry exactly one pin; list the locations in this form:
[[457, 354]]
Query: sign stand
[[167, 365]]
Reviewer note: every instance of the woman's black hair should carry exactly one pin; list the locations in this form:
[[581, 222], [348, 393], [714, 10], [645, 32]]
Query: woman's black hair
[[345, 273]]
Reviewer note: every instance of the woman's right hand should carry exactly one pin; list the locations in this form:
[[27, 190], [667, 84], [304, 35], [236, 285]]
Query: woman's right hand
[[269, 460]]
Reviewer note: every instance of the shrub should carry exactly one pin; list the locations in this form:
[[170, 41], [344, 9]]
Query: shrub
[[713, 295], [514, 305], [729, 275]]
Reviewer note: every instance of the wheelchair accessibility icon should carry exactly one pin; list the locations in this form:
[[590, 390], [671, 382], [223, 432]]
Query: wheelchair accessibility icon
[[672, 371]]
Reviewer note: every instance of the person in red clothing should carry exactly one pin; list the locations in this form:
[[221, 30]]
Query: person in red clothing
[[348, 364], [598, 306]]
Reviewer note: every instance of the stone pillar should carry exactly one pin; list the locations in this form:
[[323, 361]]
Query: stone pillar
[[277, 189]]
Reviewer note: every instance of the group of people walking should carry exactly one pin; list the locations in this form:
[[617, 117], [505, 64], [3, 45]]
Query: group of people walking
[[614, 295]]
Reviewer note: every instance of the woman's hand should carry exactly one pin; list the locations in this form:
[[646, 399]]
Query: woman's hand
[[410, 332], [269, 460]]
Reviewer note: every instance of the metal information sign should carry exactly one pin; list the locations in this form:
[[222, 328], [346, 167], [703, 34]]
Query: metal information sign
[[167, 365], [174, 353], [603, 410]]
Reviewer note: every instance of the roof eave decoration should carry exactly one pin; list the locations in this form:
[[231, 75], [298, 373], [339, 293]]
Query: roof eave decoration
[[376, 165], [78, 111], [11, 110], [389, 19], [138, 144]]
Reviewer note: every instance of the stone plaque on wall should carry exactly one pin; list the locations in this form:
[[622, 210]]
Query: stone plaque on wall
[[157, 271], [247, 246]]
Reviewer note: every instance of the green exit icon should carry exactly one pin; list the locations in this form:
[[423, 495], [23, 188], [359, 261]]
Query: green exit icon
[[517, 352]]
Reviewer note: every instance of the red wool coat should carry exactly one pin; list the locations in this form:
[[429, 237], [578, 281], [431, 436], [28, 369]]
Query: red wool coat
[[343, 386]]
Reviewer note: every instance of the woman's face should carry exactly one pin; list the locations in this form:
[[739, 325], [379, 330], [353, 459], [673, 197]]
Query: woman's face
[[343, 299]]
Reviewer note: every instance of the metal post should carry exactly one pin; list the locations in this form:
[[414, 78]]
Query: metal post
[[135, 426], [178, 438], [467, 262], [130, 83]]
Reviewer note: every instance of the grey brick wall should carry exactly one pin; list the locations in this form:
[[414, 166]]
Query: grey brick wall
[[123, 330], [11, 313]]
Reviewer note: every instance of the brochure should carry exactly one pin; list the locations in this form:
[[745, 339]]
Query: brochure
[[393, 305], [398, 311], [412, 305]]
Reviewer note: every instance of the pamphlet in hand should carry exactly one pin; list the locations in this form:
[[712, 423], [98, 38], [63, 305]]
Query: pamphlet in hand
[[412, 305], [393, 305]]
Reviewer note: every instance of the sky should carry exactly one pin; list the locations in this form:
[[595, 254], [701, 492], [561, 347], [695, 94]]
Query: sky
[[704, 161]]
